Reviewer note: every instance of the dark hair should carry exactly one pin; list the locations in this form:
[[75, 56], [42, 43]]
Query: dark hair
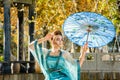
[[57, 32]]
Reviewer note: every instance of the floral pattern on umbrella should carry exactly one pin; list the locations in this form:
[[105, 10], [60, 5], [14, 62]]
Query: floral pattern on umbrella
[[89, 27]]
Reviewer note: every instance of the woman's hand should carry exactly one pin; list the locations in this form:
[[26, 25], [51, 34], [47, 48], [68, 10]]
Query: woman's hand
[[85, 47], [82, 56], [48, 36]]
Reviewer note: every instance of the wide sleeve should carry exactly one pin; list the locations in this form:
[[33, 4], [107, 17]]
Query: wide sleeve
[[38, 51], [72, 65], [39, 54]]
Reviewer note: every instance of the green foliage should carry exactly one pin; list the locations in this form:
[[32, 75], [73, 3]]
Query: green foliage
[[1, 40], [51, 14], [1, 58], [90, 57]]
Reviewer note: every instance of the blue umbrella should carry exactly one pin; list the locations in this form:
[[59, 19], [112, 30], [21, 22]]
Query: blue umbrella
[[89, 27]]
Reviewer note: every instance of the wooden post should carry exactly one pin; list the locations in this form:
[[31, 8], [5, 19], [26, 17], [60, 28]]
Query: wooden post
[[31, 32], [7, 33], [21, 38], [21, 31]]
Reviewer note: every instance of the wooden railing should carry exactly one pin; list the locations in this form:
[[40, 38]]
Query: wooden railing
[[15, 67], [103, 66], [100, 62], [105, 62]]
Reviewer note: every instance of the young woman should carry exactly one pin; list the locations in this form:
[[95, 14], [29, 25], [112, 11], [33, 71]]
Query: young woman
[[55, 63]]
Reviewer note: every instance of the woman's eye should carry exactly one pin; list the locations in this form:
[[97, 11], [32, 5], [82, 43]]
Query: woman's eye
[[57, 39]]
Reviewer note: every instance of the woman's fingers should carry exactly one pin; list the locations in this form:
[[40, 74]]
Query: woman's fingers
[[49, 36], [85, 46]]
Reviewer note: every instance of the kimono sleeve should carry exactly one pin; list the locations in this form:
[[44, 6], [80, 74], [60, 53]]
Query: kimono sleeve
[[72, 65], [38, 51], [39, 54]]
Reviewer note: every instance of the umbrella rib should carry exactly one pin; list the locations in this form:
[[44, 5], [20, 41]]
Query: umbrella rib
[[106, 32], [97, 41], [100, 28], [102, 40], [77, 31]]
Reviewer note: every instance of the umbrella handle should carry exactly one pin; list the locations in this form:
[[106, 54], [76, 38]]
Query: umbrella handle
[[87, 37]]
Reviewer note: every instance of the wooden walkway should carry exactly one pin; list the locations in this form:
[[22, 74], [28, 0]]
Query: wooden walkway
[[22, 77], [84, 76]]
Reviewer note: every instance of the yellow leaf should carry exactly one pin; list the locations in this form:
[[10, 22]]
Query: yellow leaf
[[37, 9]]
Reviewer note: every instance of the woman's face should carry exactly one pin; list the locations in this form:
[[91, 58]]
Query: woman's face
[[57, 40]]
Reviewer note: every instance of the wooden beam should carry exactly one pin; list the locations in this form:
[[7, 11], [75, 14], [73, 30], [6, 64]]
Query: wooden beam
[[7, 30], [31, 32], [21, 39], [7, 35], [21, 1]]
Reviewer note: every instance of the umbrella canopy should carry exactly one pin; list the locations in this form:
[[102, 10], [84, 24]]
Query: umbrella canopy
[[89, 27]]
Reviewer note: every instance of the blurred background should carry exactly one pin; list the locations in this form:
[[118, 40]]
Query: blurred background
[[22, 21]]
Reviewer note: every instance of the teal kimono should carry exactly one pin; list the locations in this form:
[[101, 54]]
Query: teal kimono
[[62, 67]]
